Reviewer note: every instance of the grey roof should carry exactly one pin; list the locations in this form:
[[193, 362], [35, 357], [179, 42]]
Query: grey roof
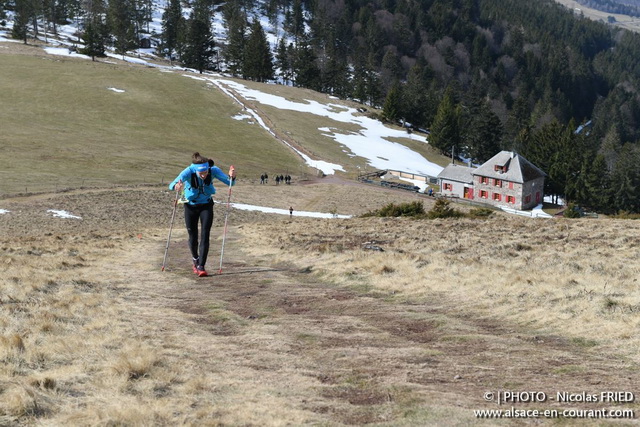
[[457, 173], [519, 169]]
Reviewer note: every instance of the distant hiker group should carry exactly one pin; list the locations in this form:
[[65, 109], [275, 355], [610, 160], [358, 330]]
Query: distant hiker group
[[264, 179]]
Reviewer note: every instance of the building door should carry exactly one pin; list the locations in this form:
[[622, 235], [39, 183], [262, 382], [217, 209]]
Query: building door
[[468, 193], [538, 198]]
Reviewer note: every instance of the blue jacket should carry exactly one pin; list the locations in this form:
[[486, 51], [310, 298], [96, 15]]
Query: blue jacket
[[196, 190]]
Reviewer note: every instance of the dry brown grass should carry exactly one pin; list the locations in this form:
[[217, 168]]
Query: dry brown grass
[[578, 278], [92, 333]]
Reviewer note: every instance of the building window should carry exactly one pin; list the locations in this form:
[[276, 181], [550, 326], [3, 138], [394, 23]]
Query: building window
[[484, 194], [497, 182], [484, 180], [501, 169], [527, 199], [497, 197], [447, 186], [511, 199]]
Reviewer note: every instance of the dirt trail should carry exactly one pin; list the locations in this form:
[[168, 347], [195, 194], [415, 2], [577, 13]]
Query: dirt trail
[[292, 349], [271, 344]]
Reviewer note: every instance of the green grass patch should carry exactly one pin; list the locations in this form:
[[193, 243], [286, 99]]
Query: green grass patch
[[307, 338], [217, 314], [568, 369], [584, 342], [480, 212], [64, 127]]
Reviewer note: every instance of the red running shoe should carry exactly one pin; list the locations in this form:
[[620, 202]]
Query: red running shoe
[[201, 272]]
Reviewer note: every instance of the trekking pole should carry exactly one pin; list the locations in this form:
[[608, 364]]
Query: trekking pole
[[226, 217], [173, 217]]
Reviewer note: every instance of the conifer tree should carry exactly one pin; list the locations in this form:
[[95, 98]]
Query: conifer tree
[[93, 38], [391, 109], [335, 79], [283, 61], [271, 11], [236, 23], [360, 84], [258, 63], [374, 84], [294, 21], [625, 180], [558, 151], [24, 10], [306, 71], [120, 19], [198, 50], [484, 134], [96, 32], [416, 101], [591, 188], [446, 127], [172, 27], [391, 69]]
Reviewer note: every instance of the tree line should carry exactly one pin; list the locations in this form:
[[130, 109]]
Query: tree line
[[479, 75]]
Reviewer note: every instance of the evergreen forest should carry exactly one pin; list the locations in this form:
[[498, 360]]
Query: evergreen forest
[[478, 75]]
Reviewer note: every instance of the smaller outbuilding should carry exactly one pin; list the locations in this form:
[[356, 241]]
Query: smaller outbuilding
[[456, 181]]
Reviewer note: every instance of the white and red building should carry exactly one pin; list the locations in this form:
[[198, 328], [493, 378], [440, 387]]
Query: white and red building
[[507, 179]]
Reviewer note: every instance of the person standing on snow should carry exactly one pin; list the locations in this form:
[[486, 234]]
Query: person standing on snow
[[197, 181]]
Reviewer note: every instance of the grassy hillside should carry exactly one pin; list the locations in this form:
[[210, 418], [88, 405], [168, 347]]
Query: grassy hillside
[[63, 126]]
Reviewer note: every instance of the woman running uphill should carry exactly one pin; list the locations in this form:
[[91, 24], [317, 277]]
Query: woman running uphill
[[198, 190]]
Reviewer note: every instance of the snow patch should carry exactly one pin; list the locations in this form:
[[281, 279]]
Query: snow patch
[[62, 214], [241, 117], [536, 212], [63, 51], [370, 142], [244, 207]]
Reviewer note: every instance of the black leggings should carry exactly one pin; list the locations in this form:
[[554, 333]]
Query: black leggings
[[204, 214]]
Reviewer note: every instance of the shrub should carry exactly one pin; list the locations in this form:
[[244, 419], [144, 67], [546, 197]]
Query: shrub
[[572, 211], [626, 215], [414, 209], [442, 209], [480, 212]]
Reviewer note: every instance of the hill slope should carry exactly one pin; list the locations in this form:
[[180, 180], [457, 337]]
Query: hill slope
[[304, 326], [113, 122]]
